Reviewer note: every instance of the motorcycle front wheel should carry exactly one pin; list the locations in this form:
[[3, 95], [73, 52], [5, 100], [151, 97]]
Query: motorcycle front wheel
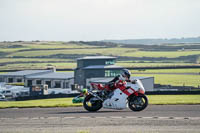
[[92, 104], [138, 103]]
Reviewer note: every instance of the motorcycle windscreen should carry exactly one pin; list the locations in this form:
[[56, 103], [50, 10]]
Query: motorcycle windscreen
[[141, 87]]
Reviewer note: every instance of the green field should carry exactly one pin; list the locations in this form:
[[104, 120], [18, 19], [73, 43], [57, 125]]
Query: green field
[[168, 54], [150, 64], [14, 55], [67, 102], [174, 80], [40, 55], [176, 71]]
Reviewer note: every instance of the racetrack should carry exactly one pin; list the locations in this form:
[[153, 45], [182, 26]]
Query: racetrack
[[156, 118]]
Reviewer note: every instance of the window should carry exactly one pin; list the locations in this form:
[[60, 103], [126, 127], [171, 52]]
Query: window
[[111, 73], [38, 82], [110, 62], [19, 80], [48, 83], [57, 84], [29, 83], [10, 80]]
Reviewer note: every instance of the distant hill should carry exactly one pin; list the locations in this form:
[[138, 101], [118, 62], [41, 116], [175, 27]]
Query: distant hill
[[156, 41]]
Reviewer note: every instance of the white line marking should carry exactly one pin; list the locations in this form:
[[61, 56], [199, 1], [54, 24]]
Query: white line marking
[[34, 118], [101, 117], [69, 117], [194, 118], [116, 117], [23, 118], [53, 117], [131, 117], [85, 117]]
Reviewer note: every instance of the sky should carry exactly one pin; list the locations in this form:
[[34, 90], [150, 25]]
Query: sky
[[94, 20]]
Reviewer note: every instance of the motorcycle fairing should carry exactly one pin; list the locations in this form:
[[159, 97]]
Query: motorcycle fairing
[[117, 101]]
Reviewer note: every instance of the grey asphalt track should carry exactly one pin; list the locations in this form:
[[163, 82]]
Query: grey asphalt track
[[156, 118]]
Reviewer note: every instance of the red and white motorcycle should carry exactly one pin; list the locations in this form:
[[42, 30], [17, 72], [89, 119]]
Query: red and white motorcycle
[[125, 94]]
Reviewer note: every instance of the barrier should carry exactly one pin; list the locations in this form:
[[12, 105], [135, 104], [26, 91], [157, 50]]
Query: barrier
[[173, 93], [46, 96]]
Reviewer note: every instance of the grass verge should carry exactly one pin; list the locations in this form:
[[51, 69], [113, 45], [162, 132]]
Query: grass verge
[[173, 99], [56, 102], [173, 79], [67, 102]]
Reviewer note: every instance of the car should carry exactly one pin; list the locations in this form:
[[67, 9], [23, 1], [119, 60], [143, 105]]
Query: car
[[2, 97], [7, 93]]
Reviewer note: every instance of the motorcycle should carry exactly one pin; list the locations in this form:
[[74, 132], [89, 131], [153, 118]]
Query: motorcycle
[[124, 95]]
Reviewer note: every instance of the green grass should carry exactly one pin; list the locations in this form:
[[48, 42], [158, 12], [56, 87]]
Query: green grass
[[149, 64], [57, 102], [168, 54], [67, 102], [94, 51], [37, 66], [41, 45], [172, 79], [15, 60], [48, 50], [196, 70], [174, 99], [130, 52]]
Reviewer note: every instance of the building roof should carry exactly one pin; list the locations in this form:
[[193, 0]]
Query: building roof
[[53, 75], [103, 67], [25, 72], [96, 57], [107, 79]]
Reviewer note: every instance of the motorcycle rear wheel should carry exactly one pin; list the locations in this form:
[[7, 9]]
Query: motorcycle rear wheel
[[138, 103], [91, 104]]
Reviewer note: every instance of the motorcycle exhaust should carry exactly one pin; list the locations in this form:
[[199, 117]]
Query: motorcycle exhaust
[[95, 95]]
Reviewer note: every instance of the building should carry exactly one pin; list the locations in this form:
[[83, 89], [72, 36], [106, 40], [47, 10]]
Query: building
[[95, 67], [53, 79], [19, 76], [39, 77], [102, 69], [89, 69]]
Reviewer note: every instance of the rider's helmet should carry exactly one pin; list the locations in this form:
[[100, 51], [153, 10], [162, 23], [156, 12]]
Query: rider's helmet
[[126, 73]]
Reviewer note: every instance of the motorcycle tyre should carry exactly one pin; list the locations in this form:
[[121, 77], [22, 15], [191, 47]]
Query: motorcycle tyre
[[92, 108], [133, 98]]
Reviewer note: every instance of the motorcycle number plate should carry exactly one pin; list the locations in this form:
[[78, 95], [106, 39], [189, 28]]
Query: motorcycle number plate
[[130, 91]]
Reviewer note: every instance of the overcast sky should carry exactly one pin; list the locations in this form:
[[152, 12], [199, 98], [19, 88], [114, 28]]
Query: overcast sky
[[88, 20]]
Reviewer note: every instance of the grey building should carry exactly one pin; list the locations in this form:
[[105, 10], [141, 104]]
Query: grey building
[[40, 77], [95, 67], [53, 79], [102, 69], [19, 76]]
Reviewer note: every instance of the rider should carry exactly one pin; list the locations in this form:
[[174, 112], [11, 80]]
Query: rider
[[124, 76]]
